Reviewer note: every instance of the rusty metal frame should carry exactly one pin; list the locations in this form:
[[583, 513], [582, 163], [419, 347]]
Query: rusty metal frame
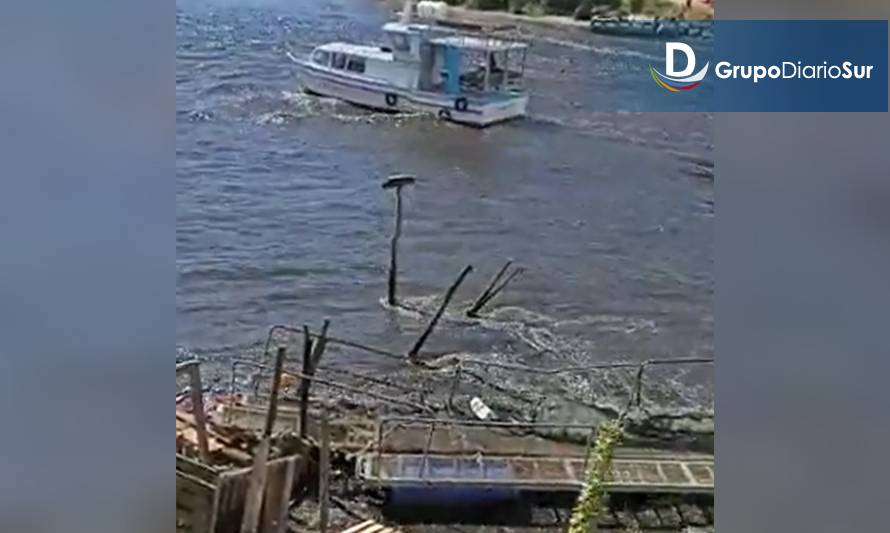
[[326, 383]]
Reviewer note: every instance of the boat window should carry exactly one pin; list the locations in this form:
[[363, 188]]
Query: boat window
[[400, 42], [339, 61], [356, 64], [320, 57]]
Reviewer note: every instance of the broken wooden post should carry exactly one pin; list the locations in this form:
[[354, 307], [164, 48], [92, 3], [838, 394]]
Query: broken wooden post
[[493, 289], [324, 469], [312, 353], [637, 399], [304, 382], [395, 182], [272, 413], [196, 392], [412, 355], [253, 502], [320, 343]]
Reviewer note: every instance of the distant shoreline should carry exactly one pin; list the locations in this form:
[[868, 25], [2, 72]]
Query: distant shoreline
[[461, 15]]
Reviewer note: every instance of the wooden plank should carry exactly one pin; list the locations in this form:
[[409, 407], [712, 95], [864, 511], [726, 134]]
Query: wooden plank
[[191, 467], [197, 395], [253, 501], [277, 496], [358, 527]]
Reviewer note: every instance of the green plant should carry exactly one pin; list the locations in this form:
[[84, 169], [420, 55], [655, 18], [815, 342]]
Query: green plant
[[599, 471]]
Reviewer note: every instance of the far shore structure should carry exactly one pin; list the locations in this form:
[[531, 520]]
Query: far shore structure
[[290, 443]]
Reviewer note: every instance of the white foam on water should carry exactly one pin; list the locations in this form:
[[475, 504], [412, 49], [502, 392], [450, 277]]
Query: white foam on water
[[603, 50]]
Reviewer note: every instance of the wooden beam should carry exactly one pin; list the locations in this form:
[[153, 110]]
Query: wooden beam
[[276, 386], [253, 503], [480, 301], [412, 355]]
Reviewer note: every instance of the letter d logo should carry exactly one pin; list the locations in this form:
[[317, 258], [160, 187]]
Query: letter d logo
[[675, 80], [670, 51]]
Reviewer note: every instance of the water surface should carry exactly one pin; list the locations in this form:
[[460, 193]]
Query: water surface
[[281, 218]]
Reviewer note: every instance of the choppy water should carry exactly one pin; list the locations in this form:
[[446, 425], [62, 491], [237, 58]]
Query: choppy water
[[281, 218]]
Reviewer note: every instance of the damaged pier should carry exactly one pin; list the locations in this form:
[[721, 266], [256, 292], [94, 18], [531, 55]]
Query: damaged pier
[[288, 442]]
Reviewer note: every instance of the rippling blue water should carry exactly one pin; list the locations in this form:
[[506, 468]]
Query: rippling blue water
[[281, 218]]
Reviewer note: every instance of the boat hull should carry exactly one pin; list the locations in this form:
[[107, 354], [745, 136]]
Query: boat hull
[[480, 112]]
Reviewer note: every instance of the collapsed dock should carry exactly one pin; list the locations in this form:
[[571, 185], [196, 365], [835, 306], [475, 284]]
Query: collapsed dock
[[287, 441]]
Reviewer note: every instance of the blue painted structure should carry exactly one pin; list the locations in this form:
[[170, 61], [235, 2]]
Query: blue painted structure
[[452, 69]]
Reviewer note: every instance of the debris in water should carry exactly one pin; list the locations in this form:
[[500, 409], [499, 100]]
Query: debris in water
[[482, 411]]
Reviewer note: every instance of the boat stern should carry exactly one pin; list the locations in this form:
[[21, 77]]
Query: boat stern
[[486, 113]]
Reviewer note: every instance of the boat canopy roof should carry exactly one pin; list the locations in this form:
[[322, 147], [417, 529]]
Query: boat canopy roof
[[478, 43], [370, 52], [401, 27]]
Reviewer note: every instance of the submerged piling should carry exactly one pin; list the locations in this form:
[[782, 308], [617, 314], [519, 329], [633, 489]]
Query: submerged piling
[[396, 182]]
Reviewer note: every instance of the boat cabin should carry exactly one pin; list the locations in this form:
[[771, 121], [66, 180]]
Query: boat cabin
[[453, 64], [417, 58], [468, 64]]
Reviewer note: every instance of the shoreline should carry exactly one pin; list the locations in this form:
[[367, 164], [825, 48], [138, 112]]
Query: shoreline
[[495, 19], [465, 15]]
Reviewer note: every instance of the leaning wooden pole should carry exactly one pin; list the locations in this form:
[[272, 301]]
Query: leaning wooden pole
[[412, 355], [318, 347], [395, 182], [500, 287], [483, 298], [253, 503]]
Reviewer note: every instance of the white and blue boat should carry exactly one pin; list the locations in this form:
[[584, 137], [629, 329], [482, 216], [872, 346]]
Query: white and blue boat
[[466, 79]]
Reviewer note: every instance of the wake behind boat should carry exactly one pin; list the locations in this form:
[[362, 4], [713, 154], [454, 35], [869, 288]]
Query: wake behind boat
[[466, 79]]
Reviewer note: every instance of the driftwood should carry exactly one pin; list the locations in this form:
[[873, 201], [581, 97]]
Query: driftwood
[[493, 289], [395, 182], [218, 445], [412, 355]]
